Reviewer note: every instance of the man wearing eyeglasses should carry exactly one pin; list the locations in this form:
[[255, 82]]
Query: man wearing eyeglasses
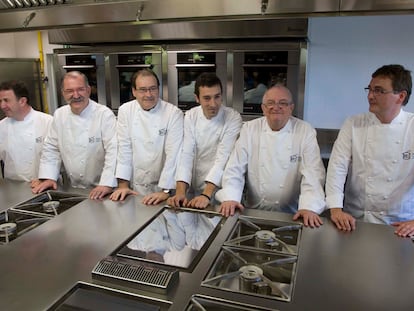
[[371, 169], [279, 159], [150, 133], [82, 137]]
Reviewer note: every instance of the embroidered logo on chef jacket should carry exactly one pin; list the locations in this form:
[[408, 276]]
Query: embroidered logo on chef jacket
[[39, 139], [295, 158], [162, 132], [408, 155], [94, 139]]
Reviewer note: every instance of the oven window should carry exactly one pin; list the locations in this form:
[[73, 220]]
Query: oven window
[[186, 83], [87, 65], [189, 66], [262, 70], [125, 91]]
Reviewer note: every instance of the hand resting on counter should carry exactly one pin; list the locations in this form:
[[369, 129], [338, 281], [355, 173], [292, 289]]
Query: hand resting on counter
[[39, 186], [99, 192], [177, 201], [228, 208], [404, 228], [343, 221], [310, 219]]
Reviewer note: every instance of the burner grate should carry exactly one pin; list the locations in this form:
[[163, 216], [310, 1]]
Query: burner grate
[[148, 277]]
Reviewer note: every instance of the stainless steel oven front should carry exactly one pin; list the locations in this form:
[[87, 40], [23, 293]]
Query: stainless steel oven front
[[258, 66], [184, 66], [90, 64], [122, 65]]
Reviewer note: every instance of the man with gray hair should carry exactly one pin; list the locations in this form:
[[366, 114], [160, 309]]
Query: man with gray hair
[[83, 137], [278, 158]]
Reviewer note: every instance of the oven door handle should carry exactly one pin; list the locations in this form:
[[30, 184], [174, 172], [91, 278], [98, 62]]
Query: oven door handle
[[194, 65], [133, 66], [78, 66]]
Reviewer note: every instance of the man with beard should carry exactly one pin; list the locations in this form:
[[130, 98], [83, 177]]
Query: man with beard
[[371, 170], [83, 137]]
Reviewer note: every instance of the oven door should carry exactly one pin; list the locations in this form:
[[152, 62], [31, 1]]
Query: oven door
[[122, 68], [183, 69], [257, 70], [92, 65]]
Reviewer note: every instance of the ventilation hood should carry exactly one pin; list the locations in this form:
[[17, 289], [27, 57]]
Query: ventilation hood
[[22, 15]]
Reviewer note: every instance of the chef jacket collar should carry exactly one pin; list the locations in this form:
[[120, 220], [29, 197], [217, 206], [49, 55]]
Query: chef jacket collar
[[216, 118], [286, 128], [153, 109], [87, 111], [30, 115], [400, 118]]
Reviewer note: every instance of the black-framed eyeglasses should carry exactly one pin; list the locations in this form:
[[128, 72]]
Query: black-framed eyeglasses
[[379, 91], [151, 89]]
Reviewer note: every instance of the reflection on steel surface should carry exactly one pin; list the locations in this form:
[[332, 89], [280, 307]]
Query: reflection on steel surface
[[175, 238]]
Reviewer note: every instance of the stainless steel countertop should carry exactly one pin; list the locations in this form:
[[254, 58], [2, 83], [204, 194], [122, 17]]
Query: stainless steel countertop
[[369, 269]]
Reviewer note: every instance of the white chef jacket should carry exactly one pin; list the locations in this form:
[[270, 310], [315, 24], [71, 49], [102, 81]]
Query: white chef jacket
[[284, 168], [86, 144], [149, 143], [207, 146], [21, 144], [375, 162]]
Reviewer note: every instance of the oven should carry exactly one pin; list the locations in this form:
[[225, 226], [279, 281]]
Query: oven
[[90, 64], [123, 65], [184, 66], [255, 70]]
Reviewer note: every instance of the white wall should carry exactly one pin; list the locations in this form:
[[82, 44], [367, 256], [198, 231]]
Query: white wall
[[343, 52], [25, 45], [7, 46]]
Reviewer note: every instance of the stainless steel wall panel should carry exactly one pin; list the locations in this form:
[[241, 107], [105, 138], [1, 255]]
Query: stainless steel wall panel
[[201, 30]]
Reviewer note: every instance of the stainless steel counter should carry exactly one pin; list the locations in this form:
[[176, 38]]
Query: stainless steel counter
[[12, 193], [369, 269]]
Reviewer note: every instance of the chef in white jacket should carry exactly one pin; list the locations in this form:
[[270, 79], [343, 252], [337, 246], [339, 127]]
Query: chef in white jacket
[[22, 132], [210, 131], [83, 137], [278, 158], [150, 133], [371, 170]]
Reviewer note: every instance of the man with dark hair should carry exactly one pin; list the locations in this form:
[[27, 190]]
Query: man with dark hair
[[210, 131], [371, 170], [83, 137], [150, 132], [21, 133]]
